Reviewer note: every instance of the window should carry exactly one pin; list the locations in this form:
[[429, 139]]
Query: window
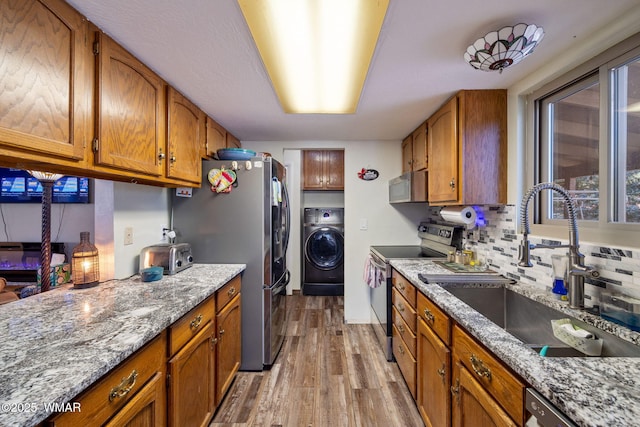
[[587, 139], [570, 128]]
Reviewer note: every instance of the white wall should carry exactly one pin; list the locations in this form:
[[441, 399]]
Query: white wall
[[146, 210], [362, 200]]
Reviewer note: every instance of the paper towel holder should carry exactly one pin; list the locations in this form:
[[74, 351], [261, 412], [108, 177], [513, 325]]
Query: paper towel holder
[[459, 215]]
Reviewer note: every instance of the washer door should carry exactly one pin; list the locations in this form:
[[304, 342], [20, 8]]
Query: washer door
[[324, 248]]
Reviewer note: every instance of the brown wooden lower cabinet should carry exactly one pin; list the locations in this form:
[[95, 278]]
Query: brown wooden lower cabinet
[[146, 408], [191, 381], [506, 389], [177, 379], [472, 405], [229, 346], [434, 378], [454, 379], [136, 389]]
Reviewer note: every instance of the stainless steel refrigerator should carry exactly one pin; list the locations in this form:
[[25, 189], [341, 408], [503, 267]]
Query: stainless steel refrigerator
[[249, 225]]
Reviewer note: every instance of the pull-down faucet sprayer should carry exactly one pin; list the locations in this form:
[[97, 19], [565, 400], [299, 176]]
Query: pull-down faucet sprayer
[[577, 269]]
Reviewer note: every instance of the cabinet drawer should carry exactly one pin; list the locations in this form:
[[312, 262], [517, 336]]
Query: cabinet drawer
[[117, 388], [190, 324], [227, 292], [405, 332], [505, 387], [405, 287], [406, 310], [406, 362], [435, 318]]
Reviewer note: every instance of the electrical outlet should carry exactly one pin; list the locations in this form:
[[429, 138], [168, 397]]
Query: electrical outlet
[[128, 236]]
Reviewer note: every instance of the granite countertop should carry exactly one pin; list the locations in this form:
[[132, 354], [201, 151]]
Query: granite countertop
[[592, 391], [56, 344]]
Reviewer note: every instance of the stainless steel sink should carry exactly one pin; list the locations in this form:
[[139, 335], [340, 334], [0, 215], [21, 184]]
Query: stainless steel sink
[[530, 321]]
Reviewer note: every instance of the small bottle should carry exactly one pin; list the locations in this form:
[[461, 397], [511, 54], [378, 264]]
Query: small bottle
[[451, 257], [559, 290], [458, 258]]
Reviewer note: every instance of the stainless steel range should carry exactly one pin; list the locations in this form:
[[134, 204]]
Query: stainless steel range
[[436, 242]]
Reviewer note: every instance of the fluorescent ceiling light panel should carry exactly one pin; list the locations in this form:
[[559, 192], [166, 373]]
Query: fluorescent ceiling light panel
[[316, 52]]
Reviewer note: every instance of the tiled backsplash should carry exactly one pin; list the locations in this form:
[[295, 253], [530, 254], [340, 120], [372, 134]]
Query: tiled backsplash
[[619, 268]]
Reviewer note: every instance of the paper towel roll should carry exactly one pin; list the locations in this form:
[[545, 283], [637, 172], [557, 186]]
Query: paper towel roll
[[465, 215]]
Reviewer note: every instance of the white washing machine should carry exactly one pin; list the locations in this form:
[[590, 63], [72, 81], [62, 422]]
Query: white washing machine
[[323, 251]]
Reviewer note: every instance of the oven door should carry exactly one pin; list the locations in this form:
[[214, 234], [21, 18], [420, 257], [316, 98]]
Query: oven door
[[381, 307], [275, 321]]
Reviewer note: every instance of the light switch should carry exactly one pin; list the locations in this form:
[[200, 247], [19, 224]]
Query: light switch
[[128, 236], [364, 224]]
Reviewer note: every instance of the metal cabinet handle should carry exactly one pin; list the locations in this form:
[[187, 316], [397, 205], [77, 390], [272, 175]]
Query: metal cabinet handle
[[479, 368], [172, 159], [441, 372], [231, 291], [452, 184], [214, 341], [221, 332], [161, 156], [401, 350], [400, 307], [401, 286], [195, 323], [400, 328], [125, 386], [429, 315], [455, 391]]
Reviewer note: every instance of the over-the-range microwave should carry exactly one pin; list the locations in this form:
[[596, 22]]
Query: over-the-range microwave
[[408, 187]]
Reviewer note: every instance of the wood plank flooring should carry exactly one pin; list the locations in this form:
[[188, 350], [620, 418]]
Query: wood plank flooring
[[328, 373]]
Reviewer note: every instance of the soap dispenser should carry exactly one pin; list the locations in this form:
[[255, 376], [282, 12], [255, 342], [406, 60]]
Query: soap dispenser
[[560, 264]]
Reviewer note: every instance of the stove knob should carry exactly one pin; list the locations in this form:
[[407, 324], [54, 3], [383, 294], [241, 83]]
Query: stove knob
[[179, 263], [190, 258]]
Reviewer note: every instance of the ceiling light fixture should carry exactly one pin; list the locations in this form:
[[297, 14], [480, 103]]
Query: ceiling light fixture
[[316, 52], [503, 48]]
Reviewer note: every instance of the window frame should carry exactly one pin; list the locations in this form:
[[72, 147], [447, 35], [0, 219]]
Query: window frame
[[603, 230]]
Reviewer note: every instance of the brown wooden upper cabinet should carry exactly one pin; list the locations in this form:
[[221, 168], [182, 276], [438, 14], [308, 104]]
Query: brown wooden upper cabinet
[[407, 154], [232, 141], [216, 138], [323, 170], [186, 130], [414, 150], [44, 108], [419, 149], [131, 103], [467, 149]]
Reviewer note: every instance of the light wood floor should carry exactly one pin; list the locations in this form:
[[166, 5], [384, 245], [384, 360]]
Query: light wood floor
[[327, 374]]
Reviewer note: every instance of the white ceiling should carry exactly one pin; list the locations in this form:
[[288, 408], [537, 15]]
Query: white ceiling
[[204, 49]]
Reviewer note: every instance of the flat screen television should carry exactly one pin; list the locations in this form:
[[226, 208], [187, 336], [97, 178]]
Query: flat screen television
[[18, 186]]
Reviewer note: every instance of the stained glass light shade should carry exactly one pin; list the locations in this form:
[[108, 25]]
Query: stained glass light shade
[[503, 48]]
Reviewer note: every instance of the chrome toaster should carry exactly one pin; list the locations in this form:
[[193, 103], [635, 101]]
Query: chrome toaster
[[173, 257]]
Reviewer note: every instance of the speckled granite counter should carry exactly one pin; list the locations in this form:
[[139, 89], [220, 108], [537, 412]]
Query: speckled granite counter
[[592, 391], [56, 344]]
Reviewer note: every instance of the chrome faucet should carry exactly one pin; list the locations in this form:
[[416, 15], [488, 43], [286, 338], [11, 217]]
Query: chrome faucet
[[577, 270]]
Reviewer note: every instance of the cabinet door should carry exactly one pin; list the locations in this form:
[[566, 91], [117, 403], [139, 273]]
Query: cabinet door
[[147, 408], [407, 154], [185, 137], [433, 379], [191, 395], [131, 120], [443, 154], [472, 406], [419, 137], [216, 138], [229, 346], [232, 141], [46, 85], [312, 170], [334, 170]]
